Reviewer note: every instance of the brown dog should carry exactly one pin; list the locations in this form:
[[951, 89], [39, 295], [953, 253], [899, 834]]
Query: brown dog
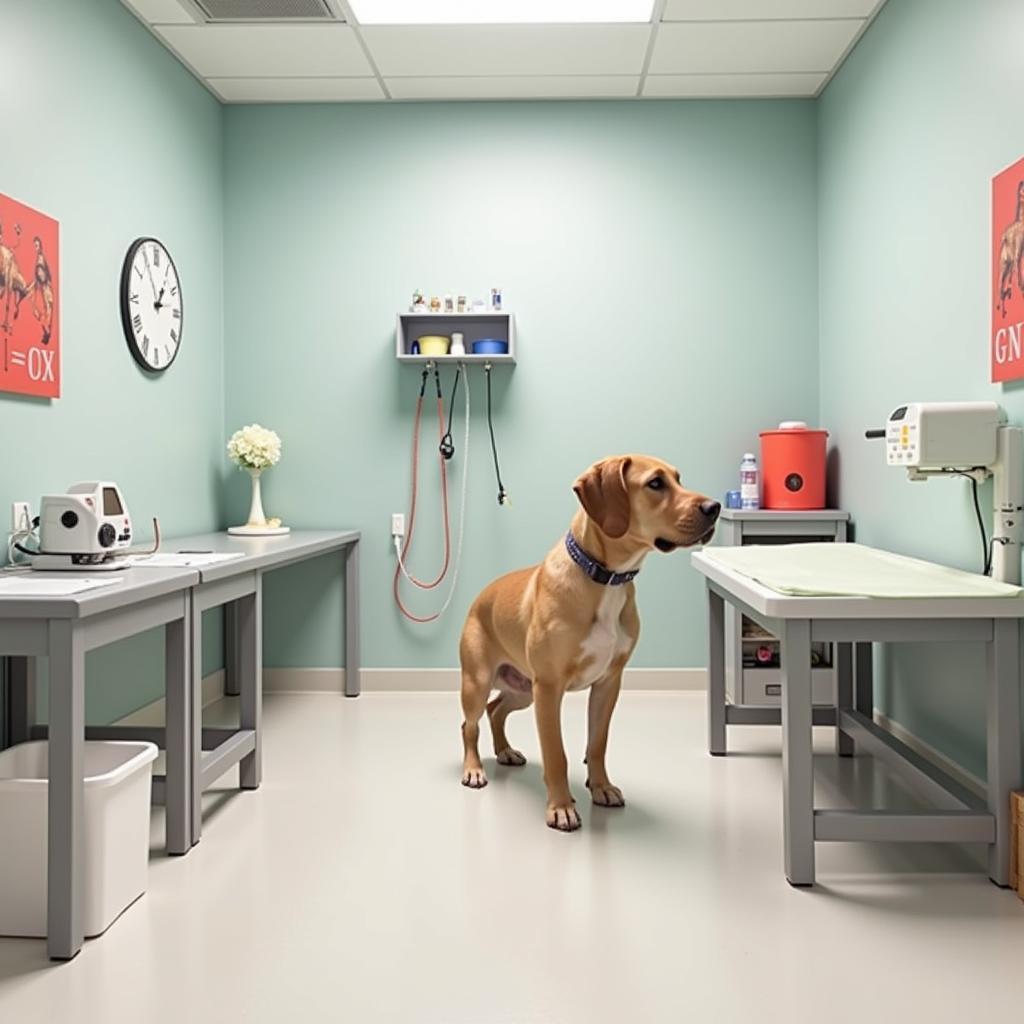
[[569, 623]]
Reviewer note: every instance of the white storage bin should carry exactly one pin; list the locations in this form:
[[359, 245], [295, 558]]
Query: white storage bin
[[118, 783]]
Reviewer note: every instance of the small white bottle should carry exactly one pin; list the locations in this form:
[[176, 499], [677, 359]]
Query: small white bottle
[[749, 489]]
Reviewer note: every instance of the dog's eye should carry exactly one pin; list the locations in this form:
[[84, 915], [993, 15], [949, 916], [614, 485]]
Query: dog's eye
[[656, 484]]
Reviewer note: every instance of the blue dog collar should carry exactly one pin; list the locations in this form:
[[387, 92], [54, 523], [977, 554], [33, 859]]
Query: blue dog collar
[[593, 568]]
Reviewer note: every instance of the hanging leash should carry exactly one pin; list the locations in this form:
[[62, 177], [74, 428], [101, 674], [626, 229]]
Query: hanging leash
[[400, 568], [462, 525], [503, 498]]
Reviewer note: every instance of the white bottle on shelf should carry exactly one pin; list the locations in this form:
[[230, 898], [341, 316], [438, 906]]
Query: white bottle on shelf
[[749, 488]]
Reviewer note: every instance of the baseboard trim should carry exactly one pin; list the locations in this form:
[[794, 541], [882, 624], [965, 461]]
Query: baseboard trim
[[930, 753], [446, 680], [153, 714]]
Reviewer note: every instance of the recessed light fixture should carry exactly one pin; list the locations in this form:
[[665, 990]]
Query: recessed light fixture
[[499, 12]]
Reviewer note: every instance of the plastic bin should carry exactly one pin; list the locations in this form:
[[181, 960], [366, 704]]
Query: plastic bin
[[118, 783]]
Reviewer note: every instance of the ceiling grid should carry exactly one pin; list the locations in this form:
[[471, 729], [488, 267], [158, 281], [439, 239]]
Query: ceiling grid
[[267, 51]]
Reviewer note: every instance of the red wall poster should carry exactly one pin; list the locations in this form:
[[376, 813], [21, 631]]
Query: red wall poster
[[29, 301], [1008, 273]]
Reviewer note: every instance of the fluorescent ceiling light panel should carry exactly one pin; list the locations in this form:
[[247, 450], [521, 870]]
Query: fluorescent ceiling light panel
[[499, 12]]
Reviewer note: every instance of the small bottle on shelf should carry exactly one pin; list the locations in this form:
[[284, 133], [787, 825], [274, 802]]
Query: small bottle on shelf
[[749, 489]]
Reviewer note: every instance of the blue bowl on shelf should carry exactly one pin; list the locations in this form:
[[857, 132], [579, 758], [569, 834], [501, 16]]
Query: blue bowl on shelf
[[490, 347]]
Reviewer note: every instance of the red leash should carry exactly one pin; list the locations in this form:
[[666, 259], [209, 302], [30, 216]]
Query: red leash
[[412, 507]]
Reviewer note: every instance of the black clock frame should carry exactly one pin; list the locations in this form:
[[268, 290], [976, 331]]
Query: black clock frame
[[126, 318]]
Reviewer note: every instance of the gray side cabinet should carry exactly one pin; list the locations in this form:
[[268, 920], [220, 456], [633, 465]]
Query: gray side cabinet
[[760, 685]]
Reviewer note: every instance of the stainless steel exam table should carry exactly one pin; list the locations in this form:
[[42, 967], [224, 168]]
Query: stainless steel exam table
[[960, 815]]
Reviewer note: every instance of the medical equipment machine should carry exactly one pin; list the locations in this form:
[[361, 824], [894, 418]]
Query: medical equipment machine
[[87, 528], [84, 528], [969, 439]]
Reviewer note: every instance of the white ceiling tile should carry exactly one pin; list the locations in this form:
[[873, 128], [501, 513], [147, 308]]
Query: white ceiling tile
[[161, 12], [268, 51], [295, 90], [758, 10], [732, 86], [514, 87], [453, 50], [726, 47]]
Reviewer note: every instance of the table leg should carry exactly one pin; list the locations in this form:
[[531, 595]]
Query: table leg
[[195, 741], [178, 699], [844, 694], [64, 914], [1004, 744], [250, 677], [716, 674], [864, 680], [797, 753], [22, 680], [352, 680], [231, 650]]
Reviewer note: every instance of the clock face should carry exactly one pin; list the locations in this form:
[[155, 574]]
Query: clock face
[[151, 305]]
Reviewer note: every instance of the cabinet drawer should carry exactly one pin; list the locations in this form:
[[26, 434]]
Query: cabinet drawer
[[763, 686]]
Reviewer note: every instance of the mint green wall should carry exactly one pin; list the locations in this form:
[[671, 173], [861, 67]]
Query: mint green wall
[[661, 262], [105, 131], [923, 114]]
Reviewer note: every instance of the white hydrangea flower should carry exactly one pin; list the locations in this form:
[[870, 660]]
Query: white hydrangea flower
[[254, 447]]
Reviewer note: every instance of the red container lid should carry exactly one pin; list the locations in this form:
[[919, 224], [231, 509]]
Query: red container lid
[[789, 427]]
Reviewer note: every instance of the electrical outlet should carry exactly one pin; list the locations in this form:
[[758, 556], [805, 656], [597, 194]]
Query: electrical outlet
[[21, 516], [398, 524]]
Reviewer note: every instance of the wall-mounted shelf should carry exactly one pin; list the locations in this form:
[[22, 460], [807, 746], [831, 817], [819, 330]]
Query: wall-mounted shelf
[[411, 326]]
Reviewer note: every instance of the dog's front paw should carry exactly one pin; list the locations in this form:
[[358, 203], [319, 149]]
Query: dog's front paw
[[606, 795], [511, 757], [474, 778], [563, 817]]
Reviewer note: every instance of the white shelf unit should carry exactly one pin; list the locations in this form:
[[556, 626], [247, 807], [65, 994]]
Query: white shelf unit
[[409, 327], [753, 686]]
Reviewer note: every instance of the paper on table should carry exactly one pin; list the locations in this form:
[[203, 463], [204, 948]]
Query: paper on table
[[32, 586], [853, 570], [183, 559]]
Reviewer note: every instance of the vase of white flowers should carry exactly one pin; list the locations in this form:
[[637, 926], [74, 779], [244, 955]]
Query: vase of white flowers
[[255, 449]]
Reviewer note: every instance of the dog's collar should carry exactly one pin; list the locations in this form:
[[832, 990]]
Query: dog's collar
[[593, 568]]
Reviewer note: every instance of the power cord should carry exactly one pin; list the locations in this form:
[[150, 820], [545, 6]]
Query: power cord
[[986, 545]]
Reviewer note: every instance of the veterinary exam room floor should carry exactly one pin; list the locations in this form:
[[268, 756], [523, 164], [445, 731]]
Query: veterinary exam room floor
[[363, 884]]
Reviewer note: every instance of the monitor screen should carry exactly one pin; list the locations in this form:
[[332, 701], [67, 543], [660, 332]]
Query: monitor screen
[[111, 502]]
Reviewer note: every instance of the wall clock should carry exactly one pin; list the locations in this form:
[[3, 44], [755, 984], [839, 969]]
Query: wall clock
[[151, 304]]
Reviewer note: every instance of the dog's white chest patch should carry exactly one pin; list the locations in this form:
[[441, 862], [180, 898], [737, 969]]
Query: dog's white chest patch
[[605, 641]]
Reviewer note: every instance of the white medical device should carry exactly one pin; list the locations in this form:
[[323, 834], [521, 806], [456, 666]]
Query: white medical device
[[968, 439], [86, 528]]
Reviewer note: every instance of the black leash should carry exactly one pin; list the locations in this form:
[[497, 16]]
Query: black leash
[[447, 446], [502, 493]]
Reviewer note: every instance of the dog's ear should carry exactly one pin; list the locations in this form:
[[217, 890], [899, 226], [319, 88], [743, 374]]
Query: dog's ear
[[603, 494]]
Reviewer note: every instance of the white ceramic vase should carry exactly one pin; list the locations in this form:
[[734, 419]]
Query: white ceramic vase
[[257, 526], [256, 515]]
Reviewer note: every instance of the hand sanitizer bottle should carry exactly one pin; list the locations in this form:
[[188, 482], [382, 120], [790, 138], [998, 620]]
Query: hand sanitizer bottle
[[749, 489]]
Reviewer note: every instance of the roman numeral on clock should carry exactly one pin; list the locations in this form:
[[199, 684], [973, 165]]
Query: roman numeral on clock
[[145, 344], [174, 335], [135, 298], [137, 322]]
